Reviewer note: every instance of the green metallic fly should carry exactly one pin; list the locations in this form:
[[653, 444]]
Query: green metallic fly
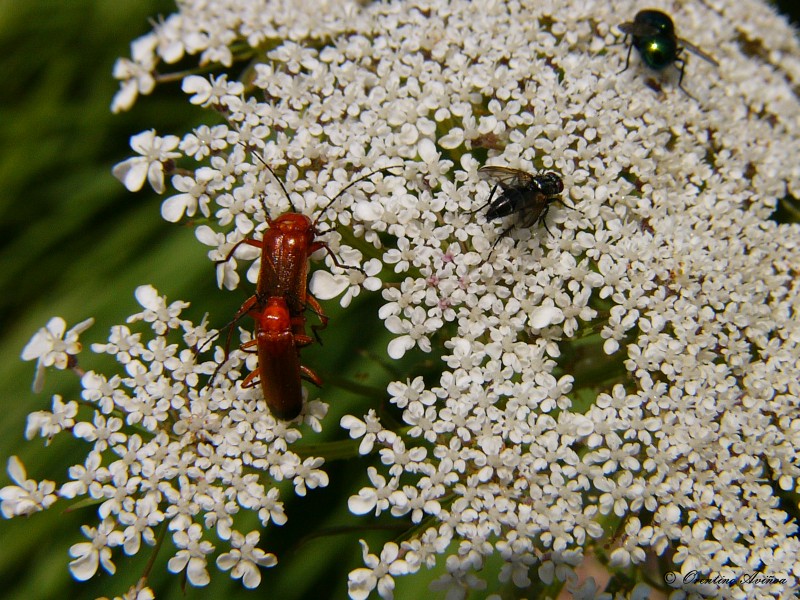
[[653, 35]]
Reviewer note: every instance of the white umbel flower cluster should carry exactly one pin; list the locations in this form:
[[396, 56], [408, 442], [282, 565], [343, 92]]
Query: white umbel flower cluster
[[166, 449], [622, 382]]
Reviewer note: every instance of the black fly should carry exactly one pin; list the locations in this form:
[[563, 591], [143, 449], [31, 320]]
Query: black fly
[[520, 193]]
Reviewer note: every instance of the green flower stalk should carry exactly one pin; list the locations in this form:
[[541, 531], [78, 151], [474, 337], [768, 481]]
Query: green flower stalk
[[616, 384]]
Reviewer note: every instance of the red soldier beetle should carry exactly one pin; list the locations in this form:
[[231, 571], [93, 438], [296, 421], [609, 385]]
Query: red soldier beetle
[[278, 346], [286, 248]]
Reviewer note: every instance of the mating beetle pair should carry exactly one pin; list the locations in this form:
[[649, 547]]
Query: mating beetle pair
[[280, 302]]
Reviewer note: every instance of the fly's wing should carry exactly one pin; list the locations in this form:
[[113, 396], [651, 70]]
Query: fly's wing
[[695, 50], [535, 209], [506, 177], [638, 29]]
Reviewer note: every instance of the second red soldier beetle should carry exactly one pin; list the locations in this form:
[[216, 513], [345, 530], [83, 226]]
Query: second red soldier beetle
[[278, 346]]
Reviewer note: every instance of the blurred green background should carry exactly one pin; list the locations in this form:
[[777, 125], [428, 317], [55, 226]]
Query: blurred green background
[[75, 243]]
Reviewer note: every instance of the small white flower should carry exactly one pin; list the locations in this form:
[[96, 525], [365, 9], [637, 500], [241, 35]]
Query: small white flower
[[216, 91], [105, 393], [367, 429], [102, 432], [157, 311], [369, 498], [122, 343], [245, 558], [88, 556], [48, 424], [86, 478], [192, 555], [193, 195], [29, 496], [136, 74], [53, 345], [378, 573], [307, 475], [204, 141], [155, 151], [140, 523], [415, 332]]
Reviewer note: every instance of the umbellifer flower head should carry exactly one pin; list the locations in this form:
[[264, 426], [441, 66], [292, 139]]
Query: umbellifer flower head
[[622, 382]]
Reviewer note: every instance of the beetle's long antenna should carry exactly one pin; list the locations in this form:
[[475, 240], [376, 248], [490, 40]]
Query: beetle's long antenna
[[275, 177]]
